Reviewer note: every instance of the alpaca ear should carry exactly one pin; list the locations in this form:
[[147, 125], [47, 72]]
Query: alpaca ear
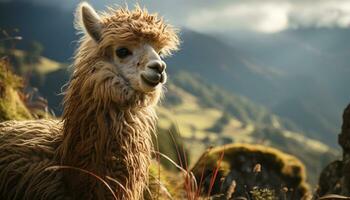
[[90, 20]]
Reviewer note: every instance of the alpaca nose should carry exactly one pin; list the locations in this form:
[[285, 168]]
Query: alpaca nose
[[158, 66]]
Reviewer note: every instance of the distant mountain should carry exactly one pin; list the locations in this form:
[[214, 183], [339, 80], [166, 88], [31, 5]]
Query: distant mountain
[[308, 90], [315, 68], [219, 63], [318, 55]]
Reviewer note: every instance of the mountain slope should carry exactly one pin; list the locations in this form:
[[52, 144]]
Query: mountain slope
[[312, 98], [315, 62], [196, 121]]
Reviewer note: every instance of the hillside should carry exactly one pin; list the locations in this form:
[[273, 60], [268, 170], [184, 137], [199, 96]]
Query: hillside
[[196, 123], [260, 68], [315, 68]]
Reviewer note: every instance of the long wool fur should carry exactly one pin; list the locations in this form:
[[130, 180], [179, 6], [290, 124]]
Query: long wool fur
[[106, 127]]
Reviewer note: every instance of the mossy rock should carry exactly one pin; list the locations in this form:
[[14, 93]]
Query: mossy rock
[[252, 168]]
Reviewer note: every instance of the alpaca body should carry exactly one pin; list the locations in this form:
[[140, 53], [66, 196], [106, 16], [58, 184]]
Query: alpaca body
[[108, 116], [123, 159], [22, 170]]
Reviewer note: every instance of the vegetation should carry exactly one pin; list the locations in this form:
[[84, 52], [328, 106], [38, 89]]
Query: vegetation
[[263, 194], [170, 143], [11, 97], [220, 123], [238, 106], [160, 183]]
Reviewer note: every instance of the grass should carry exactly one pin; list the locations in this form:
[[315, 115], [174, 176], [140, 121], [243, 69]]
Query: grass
[[12, 105], [189, 114], [43, 66]]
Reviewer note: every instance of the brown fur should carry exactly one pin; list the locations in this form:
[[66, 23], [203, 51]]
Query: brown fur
[[106, 128]]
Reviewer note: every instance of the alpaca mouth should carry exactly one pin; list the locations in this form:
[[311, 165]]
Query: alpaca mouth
[[152, 81]]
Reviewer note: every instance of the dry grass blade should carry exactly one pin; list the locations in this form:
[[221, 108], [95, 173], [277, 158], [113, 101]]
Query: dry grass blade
[[85, 172], [115, 181], [177, 149], [257, 168], [190, 180], [213, 178], [158, 160], [231, 190], [163, 188], [187, 185], [171, 161], [333, 196]]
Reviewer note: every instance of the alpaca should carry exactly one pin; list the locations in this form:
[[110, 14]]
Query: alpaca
[[109, 114]]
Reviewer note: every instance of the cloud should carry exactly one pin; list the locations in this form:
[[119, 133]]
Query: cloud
[[271, 16], [266, 17], [326, 14]]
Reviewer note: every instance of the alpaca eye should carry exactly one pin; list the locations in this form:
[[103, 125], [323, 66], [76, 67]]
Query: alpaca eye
[[123, 52]]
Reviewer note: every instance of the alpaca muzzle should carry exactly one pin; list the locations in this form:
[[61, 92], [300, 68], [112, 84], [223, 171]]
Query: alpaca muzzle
[[155, 73], [153, 78]]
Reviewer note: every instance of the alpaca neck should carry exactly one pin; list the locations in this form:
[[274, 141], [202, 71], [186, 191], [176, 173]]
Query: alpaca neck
[[92, 137]]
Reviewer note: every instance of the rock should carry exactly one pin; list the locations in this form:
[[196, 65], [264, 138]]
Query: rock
[[335, 178], [344, 136], [256, 170], [330, 179]]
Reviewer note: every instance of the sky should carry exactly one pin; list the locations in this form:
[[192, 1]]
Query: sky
[[266, 16]]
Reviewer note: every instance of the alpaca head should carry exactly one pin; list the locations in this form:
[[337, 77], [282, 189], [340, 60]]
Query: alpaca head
[[121, 54]]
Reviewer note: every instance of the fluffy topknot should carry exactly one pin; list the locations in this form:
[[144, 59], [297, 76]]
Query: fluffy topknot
[[121, 25]]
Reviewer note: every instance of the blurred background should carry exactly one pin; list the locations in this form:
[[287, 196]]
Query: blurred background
[[272, 72]]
